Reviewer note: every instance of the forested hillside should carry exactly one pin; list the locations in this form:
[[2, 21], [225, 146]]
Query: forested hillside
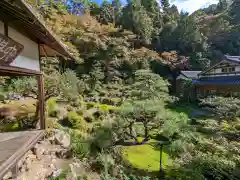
[[201, 38], [117, 93]]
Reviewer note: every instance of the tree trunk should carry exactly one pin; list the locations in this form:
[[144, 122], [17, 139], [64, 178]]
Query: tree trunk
[[146, 135], [131, 128]]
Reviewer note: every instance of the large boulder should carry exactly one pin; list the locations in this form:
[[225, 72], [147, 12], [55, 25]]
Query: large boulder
[[62, 138]]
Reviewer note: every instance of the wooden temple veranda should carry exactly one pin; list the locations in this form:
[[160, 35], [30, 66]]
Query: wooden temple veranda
[[24, 39]]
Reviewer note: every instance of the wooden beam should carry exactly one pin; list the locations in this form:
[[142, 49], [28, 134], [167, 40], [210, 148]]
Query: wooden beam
[[6, 28], [16, 71], [41, 102]]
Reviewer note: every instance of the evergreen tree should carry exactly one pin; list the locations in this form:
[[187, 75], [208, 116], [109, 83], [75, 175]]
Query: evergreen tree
[[136, 18], [116, 4], [165, 4]]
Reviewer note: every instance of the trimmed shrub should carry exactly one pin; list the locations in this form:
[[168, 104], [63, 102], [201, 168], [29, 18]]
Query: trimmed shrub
[[91, 105], [75, 120], [80, 111], [14, 126], [80, 146], [52, 123], [2, 94], [103, 107], [52, 107], [107, 108], [104, 163], [116, 101], [70, 108]]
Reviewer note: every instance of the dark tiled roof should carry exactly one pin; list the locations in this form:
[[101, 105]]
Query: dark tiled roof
[[235, 59], [225, 78], [189, 74], [216, 82]]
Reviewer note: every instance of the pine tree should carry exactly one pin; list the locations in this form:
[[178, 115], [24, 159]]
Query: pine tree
[[165, 4], [116, 4]]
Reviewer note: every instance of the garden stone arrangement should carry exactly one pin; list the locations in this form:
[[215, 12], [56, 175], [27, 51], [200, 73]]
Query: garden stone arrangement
[[49, 158]]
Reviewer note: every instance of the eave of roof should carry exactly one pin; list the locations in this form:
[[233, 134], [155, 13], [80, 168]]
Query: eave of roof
[[25, 15], [63, 49], [190, 74], [235, 59], [216, 82], [232, 59]]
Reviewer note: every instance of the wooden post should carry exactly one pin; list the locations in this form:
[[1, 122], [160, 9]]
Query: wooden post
[[41, 102], [15, 171], [5, 28]]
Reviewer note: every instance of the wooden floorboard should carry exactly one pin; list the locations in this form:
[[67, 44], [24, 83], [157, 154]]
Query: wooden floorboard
[[13, 145]]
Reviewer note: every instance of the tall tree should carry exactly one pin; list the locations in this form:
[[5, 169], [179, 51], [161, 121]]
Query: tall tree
[[136, 18], [165, 4], [78, 6], [116, 4], [106, 13]]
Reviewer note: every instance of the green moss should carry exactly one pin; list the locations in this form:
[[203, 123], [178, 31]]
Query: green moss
[[145, 157]]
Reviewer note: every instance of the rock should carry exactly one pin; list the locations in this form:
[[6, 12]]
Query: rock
[[8, 176], [53, 156], [21, 162], [56, 173], [74, 175], [46, 152], [6, 101], [51, 140], [77, 165], [64, 153], [52, 166], [32, 156], [62, 138], [54, 160], [38, 151], [62, 113], [28, 163]]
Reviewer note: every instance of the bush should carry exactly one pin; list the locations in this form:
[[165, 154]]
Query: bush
[[52, 107], [80, 145], [116, 101], [91, 105], [106, 108], [14, 126], [2, 94], [222, 107], [75, 120], [104, 162], [52, 123], [70, 108], [89, 118]]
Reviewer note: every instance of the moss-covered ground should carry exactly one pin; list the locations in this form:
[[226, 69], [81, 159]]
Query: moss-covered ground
[[145, 157]]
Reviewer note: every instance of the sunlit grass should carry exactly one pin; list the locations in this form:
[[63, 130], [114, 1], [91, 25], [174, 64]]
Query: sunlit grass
[[146, 157]]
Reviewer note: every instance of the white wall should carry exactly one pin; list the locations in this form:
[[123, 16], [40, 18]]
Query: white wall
[[29, 57], [214, 72]]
